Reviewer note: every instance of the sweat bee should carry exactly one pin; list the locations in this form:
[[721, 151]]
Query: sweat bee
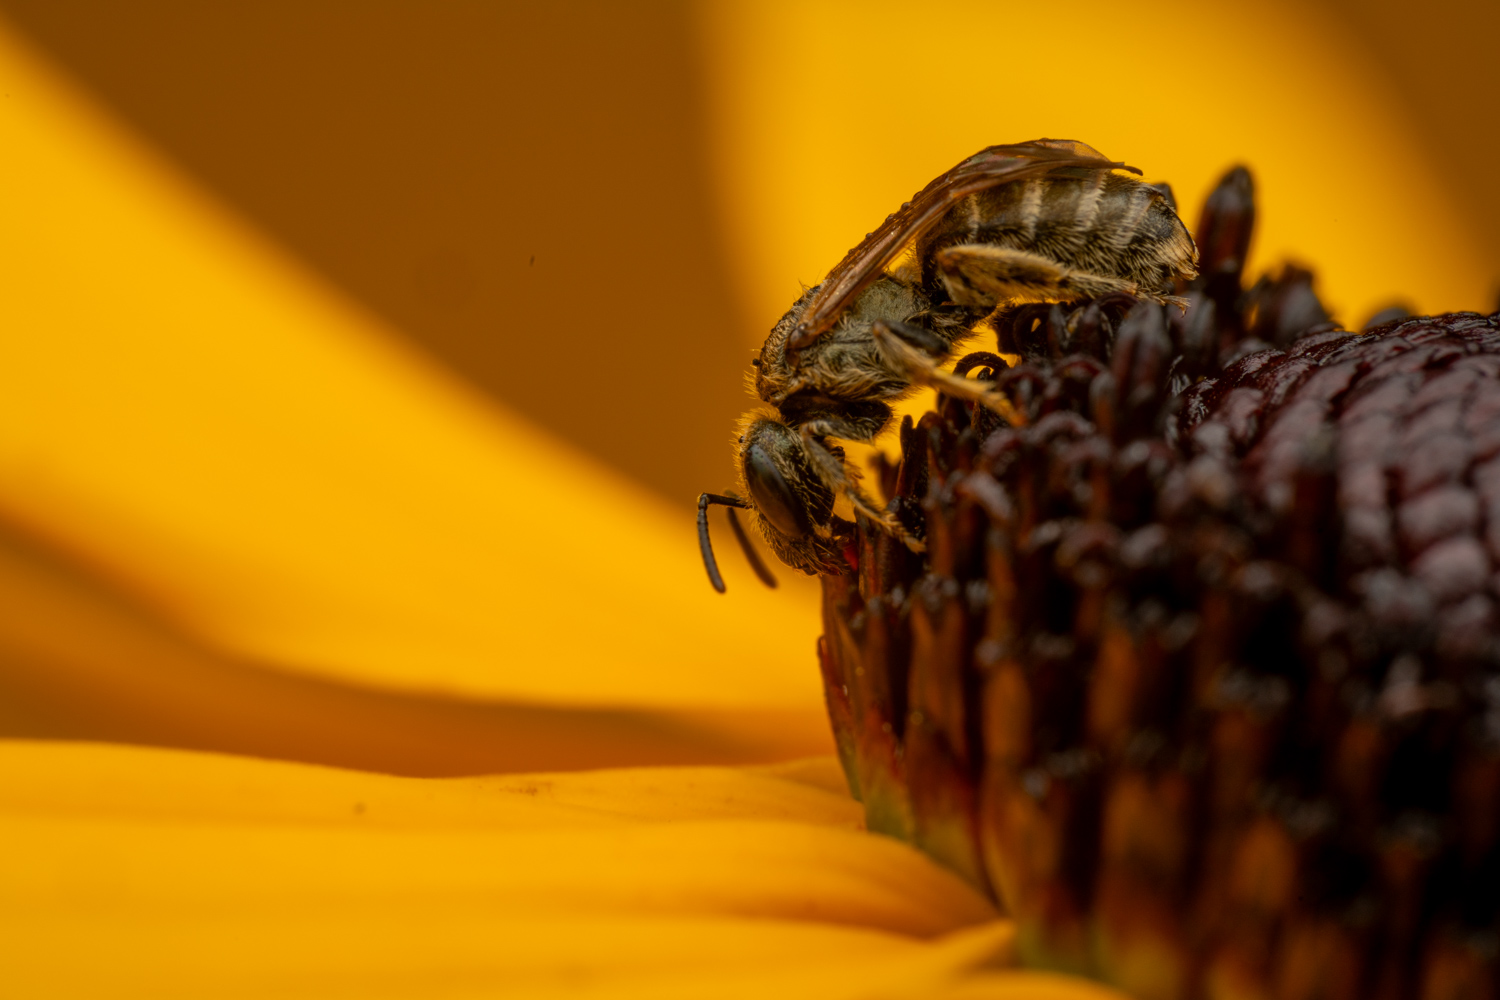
[[1049, 220]]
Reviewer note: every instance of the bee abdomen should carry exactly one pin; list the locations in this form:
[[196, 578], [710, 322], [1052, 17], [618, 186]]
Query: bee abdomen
[[1101, 223]]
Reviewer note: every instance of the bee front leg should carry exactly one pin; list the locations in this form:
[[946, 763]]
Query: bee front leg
[[844, 479], [894, 341]]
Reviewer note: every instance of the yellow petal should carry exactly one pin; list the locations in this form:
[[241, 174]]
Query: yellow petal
[[186, 411], [98, 781], [416, 952], [105, 826], [160, 873], [752, 868], [79, 659]]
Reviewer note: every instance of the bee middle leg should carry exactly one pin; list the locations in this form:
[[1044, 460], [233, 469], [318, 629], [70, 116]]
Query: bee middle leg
[[898, 344], [985, 275]]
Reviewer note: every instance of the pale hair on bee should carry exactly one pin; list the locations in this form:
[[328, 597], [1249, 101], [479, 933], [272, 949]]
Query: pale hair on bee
[[1049, 220]]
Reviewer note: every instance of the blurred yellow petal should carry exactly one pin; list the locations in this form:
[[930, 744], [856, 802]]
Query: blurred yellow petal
[[740, 867], [185, 410], [80, 659], [446, 953], [827, 115], [163, 873], [81, 780]]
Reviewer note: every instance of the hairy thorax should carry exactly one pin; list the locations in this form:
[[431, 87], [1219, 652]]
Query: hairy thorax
[[844, 363]]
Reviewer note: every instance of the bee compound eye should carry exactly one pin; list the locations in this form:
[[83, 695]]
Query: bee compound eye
[[774, 496]]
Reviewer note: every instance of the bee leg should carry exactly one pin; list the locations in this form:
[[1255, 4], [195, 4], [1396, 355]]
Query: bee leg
[[894, 341], [986, 275], [844, 479]]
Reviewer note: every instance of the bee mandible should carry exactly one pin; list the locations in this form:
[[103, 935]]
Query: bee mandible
[[1049, 220]]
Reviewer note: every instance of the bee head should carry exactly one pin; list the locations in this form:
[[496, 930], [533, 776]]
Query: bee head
[[792, 503]]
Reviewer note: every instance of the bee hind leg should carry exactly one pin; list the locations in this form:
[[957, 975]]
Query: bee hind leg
[[895, 342], [844, 479], [987, 275]]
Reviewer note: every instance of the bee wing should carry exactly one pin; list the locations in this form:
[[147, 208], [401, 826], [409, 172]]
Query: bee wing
[[990, 167]]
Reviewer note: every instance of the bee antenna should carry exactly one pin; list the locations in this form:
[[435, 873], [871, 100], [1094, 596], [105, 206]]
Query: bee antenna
[[751, 556], [706, 546]]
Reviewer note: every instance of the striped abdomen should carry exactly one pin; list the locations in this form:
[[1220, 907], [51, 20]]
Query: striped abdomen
[[1093, 221]]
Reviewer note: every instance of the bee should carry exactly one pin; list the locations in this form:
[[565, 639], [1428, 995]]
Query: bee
[[1049, 220]]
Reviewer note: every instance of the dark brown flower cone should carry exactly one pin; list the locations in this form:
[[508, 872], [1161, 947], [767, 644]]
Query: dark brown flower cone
[[1199, 675]]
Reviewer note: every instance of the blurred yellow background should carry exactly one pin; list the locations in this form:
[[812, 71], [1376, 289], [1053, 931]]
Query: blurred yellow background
[[361, 361], [828, 115]]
